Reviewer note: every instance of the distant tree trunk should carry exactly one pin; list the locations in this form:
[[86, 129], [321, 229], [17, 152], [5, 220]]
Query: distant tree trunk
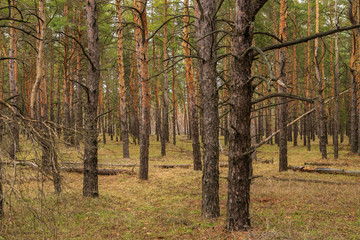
[[90, 186], [66, 87], [191, 85], [283, 111], [206, 41], [238, 217], [143, 74], [157, 104], [165, 112], [322, 118], [308, 106], [336, 88], [294, 75], [174, 116], [13, 78], [79, 90], [122, 90], [51, 80]]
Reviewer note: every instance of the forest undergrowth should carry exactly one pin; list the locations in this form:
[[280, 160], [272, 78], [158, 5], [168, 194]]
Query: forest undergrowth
[[286, 205]]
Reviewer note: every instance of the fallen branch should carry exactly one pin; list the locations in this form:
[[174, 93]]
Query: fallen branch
[[100, 164], [326, 170], [100, 171], [312, 181]]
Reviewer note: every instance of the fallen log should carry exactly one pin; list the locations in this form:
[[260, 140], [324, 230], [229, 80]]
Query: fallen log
[[105, 172], [312, 181], [173, 166], [325, 164], [101, 164], [326, 170]]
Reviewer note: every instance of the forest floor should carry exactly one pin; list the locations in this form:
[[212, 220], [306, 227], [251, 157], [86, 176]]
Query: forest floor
[[168, 205]]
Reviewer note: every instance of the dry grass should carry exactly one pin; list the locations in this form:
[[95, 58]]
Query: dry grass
[[168, 206]]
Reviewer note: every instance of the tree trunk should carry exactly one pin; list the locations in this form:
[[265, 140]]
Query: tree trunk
[[174, 116], [294, 75], [283, 111], [79, 90], [336, 89], [321, 111], [13, 78], [206, 45], [191, 85], [157, 105], [90, 186], [238, 217], [143, 74], [165, 112], [122, 90], [308, 106]]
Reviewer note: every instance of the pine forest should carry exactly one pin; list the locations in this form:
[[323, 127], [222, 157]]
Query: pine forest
[[191, 119]]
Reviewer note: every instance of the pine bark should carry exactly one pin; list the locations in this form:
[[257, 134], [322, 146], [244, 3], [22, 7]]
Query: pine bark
[[336, 88], [165, 110], [321, 111], [13, 78], [143, 74], [191, 86], [206, 40], [283, 111], [238, 216], [90, 185], [122, 91]]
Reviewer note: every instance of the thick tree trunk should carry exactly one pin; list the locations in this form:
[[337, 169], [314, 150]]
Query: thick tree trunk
[[122, 91], [191, 91], [238, 217], [206, 40], [90, 186], [143, 74]]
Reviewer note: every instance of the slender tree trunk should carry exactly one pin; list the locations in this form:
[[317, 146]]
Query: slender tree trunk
[[173, 94], [143, 74], [283, 111], [165, 112], [122, 91], [157, 104], [90, 186], [336, 88], [79, 90], [13, 78], [206, 40], [308, 106], [322, 118], [191, 85], [294, 75]]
